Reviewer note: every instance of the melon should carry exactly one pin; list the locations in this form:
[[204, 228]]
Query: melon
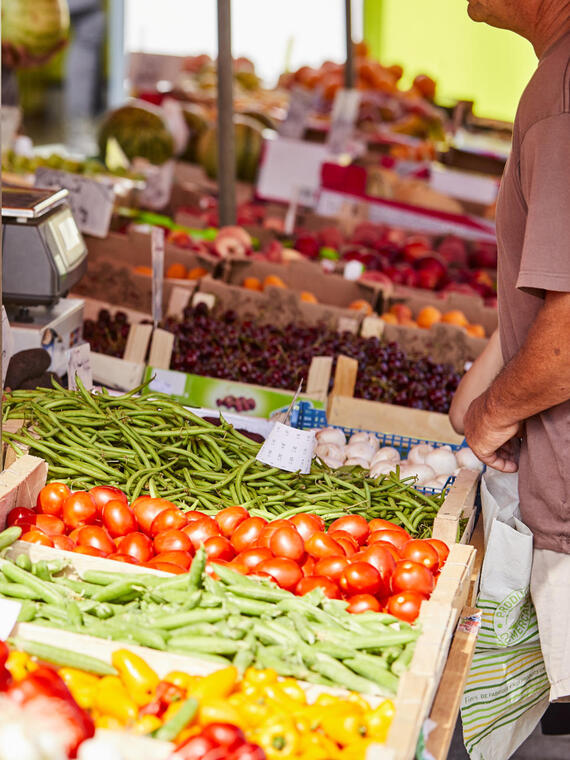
[[248, 144], [140, 130], [196, 119], [36, 26]]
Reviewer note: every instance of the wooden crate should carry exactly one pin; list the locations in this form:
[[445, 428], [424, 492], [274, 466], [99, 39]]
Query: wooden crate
[[458, 504]]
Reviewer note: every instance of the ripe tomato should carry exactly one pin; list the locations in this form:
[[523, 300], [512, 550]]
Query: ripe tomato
[[165, 567], [338, 534], [51, 498], [50, 525], [194, 748], [379, 524], [169, 519], [64, 543], [331, 567], [118, 557], [311, 582], [380, 557], [251, 558], [247, 533], [172, 541], [411, 576], [96, 537], [361, 578], [182, 559], [405, 605], [229, 518], [103, 494], [286, 542], [74, 533], [146, 509], [441, 548], [308, 566], [268, 531], [118, 518], [398, 538], [284, 572], [356, 525], [422, 552], [194, 515], [306, 525], [248, 751], [22, 517], [321, 545], [79, 509], [347, 546], [224, 735], [363, 603], [36, 537], [219, 547], [199, 531], [91, 551], [136, 545]]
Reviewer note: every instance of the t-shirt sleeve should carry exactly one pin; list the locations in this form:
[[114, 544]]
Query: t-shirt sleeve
[[545, 179]]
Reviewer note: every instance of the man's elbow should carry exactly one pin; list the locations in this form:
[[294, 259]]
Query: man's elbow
[[456, 416]]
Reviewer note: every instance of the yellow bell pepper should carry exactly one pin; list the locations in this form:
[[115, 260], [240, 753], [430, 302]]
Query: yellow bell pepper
[[187, 733], [146, 724], [315, 746], [254, 712], [308, 718], [215, 686], [139, 679], [291, 688], [107, 721], [344, 724], [378, 721], [217, 711], [356, 751], [279, 699], [358, 700], [278, 737], [180, 679], [82, 686], [112, 699], [258, 677], [20, 664], [326, 700]]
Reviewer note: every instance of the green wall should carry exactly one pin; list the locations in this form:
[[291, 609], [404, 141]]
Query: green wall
[[469, 61]]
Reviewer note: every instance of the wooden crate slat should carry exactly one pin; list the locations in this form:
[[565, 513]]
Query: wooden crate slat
[[21, 483]]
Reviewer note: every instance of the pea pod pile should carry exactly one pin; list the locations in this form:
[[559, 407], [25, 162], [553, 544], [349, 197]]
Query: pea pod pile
[[239, 619], [152, 443]]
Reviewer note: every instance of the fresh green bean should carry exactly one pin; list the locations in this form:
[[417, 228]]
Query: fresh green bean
[[63, 657]]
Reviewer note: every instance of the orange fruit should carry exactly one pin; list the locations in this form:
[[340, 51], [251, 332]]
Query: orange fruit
[[428, 316], [252, 283], [455, 317], [141, 269], [176, 271], [307, 296], [408, 323], [401, 312], [274, 281], [476, 331], [361, 305], [390, 319], [196, 272]]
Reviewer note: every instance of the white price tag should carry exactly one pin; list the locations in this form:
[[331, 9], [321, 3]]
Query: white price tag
[[343, 119], [146, 70], [9, 611], [158, 187], [10, 120], [7, 344], [91, 200], [157, 253], [172, 111], [300, 106], [288, 448], [79, 365]]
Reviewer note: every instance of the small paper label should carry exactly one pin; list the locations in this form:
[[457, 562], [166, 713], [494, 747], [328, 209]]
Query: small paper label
[[470, 623], [167, 381], [7, 344], [147, 69], [91, 201], [157, 252], [176, 123], [288, 449], [343, 118], [9, 611], [156, 192], [79, 365], [10, 119], [300, 106]]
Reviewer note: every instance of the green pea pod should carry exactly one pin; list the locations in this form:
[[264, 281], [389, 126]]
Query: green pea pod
[[170, 730], [8, 536], [63, 657]]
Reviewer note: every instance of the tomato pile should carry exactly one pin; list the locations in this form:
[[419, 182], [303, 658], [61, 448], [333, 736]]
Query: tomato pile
[[373, 566]]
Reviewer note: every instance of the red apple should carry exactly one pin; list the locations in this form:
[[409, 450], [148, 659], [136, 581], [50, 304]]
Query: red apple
[[453, 250]]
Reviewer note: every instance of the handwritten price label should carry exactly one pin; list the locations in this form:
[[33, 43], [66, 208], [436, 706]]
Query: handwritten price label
[[157, 253], [300, 107], [343, 119], [159, 179], [288, 448], [79, 366]]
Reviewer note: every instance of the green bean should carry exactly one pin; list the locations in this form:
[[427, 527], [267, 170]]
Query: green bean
[[206, 644], [45, 591], [375, 673], [340, 674], [171, 728], [18, 591], [177, 620], [8, 536], [63, 657]]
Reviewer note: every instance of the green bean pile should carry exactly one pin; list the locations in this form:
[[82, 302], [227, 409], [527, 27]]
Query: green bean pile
[[238, 619], [151, 443]]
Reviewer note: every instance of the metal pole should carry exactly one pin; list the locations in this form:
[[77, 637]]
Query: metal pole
[[349, 66], [226, 147], [116, 42]]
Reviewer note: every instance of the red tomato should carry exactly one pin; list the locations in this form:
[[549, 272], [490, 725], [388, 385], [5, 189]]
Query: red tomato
[[248, 751], [329, 587], [219, 547], [347, 546], [361, 578], [237, 565], [91, 551], [331, 567], [380, 556], [74, 533], [398, 538], [338, 534], [194, 748], [265, 535], [79, 509], [224, 735], [36, 537], [411, 576], [356, 525], [405, 605], [51, 498], [199, 531], [363, 603], [308, 566], [422, 552], [247, 533], [194, 515], [97, 537], [182, 559], [321, 545], [50, 525], [441, 548], [118, 557], [118, 518], [64, 543], [379, 524], [284, 572], [165, 567], [136, 545], [229, 518], [146, 509], [22, 517], [169, 519], [306, 525], [251, 558], [103, 494], [172, 541], [286, 542]]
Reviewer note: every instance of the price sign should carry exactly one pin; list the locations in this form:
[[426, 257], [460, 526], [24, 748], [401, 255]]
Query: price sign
[[172, 111], [288, 448], [9, 611], [10, 119], [300, 106], [79, 365], [343, 119], [157, 253], [91, 201], [159, 179], [7, 344], [147, 69]]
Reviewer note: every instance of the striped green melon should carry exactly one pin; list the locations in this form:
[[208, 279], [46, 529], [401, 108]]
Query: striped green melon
[[141, 132], [248, 144], [36, 26]]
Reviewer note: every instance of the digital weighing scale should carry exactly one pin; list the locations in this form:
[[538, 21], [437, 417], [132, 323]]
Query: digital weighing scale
[[43, 257]]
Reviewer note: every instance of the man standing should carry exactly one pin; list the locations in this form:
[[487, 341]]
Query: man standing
[[530, 397]]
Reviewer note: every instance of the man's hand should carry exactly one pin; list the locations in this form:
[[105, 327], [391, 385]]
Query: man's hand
[[496, 446]]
